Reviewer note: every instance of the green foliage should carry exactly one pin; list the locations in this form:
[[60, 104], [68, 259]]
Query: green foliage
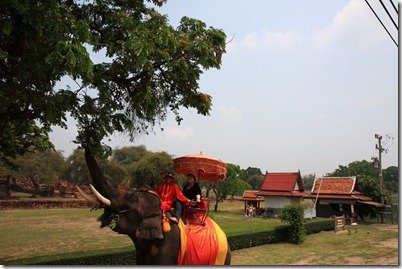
[[308, 181], [77, 171], [148, 69], [391, 178], [146, 172], [317, 226], [119, 258], [46, 166], [278, 234], [253, 176], [293, 214], [355, 168], [231, 185], [128, 155]]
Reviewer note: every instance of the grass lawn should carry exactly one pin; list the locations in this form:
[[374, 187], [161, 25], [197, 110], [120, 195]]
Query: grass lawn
[[375, 244], [62, 233], [42, 232]]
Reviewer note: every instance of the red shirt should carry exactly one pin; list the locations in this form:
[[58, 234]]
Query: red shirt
[[167, 192]]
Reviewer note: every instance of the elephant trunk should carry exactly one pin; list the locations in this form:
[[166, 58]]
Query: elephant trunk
[[100, 183]]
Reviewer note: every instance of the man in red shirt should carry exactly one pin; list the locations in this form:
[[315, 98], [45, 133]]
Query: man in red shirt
[[168, 191]]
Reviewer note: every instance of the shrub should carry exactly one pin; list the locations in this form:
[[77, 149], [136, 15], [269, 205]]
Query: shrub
[[293, 214], [255, 239]]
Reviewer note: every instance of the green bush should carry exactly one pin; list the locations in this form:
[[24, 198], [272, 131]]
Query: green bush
[[293, 214], [317, 226], [122, 258], [240, 241]]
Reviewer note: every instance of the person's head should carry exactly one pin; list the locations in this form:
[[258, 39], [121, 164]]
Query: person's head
[[168, 177], [191, 178]]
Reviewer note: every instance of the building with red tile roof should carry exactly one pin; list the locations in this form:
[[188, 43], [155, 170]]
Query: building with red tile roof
[[251, 198], [281, 189], [336, 196]]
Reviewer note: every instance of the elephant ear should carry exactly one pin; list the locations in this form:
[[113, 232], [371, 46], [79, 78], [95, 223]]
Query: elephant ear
[[150, 228]]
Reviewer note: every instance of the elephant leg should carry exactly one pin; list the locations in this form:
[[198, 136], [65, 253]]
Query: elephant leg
[[228, 257]]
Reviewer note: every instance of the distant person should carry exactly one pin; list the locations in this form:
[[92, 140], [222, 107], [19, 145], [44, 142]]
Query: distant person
[[250, 212]]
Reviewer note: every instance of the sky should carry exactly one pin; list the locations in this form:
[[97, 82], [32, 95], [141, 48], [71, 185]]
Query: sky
[[304, 86]]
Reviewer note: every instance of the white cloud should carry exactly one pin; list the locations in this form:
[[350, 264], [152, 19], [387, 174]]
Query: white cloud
[[266, 38], [230, 114], [322, 116], [354, 26], [280, 39], [250, 41], [179, 133]]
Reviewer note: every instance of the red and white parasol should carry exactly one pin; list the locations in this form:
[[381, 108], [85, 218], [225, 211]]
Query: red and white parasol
[[202, 166]]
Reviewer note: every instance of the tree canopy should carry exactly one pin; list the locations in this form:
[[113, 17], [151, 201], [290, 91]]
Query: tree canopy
[[149, 68]]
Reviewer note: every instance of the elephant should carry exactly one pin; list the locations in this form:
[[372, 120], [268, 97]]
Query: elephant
[[137, 214]]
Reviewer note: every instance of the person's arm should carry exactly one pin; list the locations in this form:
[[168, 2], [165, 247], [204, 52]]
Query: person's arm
[[159, 189], [198, 189], [180, 195]]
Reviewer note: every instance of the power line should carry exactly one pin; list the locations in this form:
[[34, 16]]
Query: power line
[[389, 15], [381, 23], [392, 3]]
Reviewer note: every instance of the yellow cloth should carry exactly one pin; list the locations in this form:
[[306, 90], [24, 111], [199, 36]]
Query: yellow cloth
[[202, 245]]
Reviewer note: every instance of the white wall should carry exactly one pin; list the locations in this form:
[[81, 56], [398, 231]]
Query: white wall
[[276, 201]]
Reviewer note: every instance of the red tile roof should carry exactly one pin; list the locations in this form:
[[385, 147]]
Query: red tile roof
[[334, 185], [282, 182], [282, 193], [336, 188], [338, 196], [251, 196]]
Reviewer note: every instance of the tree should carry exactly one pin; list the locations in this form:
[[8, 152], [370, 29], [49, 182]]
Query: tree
[[77, 171], [253, 176], [128, 155], [149, 69], [223, 188], [41, 166], [391, 178], [146, 172], [308, 181]]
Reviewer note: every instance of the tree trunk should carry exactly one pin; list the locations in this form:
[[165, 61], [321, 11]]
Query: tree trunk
[[35, 186]]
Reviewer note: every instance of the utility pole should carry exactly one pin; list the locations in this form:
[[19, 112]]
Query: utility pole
[[380, 150]]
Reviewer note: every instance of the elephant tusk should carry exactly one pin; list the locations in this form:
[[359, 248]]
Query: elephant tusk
[[86, 196], [102, 199]]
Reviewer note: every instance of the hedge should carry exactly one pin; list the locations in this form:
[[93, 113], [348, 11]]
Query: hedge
[[279, 234]]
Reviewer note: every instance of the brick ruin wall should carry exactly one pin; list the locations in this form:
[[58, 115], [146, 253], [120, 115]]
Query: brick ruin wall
[[41, 204]]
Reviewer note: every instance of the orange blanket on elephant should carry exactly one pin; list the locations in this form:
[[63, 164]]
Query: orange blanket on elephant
[[202, 245]]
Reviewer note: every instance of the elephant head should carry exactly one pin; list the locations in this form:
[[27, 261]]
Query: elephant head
[[137, 214]]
